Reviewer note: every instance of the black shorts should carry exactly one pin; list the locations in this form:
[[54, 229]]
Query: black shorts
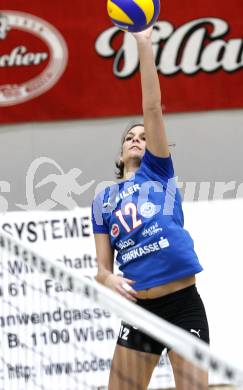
[[183, 308]]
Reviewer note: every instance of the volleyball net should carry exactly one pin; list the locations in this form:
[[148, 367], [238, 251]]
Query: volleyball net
[[57, 330]]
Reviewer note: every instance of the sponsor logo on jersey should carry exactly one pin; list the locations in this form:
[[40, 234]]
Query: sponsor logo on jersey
[[107, 204], [128, 192], [145, 250], [125, 244], [33, 54], [115, 230], [151, 230], [148, 210]]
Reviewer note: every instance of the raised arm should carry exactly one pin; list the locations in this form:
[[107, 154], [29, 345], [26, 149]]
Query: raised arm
[[156, 139]]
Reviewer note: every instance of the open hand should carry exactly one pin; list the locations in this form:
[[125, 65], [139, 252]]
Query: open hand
[[143, 35], [122, 286]]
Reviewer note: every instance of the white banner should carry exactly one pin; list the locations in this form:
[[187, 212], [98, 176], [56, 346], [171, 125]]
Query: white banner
[[47, 337]]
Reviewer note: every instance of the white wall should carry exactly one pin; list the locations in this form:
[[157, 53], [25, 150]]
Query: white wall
[[209, 149], [216, 228]]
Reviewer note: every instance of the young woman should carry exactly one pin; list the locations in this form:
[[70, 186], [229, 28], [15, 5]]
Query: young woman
[[141, 218]]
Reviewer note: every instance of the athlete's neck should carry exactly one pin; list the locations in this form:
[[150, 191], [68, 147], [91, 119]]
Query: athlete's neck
[[129, 171], [131, 167]]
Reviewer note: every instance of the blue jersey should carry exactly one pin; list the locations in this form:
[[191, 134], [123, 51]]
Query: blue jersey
[[144, 219]]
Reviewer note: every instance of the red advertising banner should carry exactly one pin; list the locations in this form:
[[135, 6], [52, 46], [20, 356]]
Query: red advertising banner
[[65, 60]]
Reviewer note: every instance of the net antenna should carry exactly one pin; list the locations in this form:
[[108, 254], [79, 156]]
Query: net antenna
[[82, 289]]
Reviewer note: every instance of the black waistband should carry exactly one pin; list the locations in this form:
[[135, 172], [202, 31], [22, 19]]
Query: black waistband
[[169, 297]]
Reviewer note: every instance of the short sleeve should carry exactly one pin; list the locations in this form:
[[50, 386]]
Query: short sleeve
[[98, 221], [162, 166]]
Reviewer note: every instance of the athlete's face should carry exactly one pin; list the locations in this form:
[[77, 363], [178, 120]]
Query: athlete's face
[[134, 144]]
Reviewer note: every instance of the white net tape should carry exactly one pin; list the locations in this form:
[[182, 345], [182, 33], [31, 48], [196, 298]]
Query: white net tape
[[63, 347]]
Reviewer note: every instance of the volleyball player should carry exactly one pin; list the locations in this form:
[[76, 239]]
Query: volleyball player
[[141, 218]]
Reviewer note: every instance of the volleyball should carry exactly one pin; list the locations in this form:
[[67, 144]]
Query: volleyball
[[133, 15]]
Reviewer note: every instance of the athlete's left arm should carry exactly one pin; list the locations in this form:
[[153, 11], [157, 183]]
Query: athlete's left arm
[[156, 140]]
